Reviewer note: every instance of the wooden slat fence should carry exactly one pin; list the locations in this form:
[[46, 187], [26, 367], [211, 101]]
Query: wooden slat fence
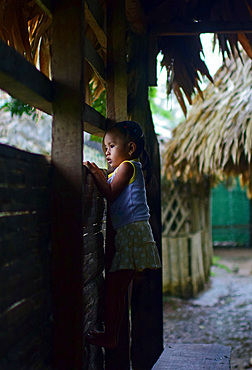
[[186, 242], [25, 298], [93, 266], [25, 262], [105, 29]]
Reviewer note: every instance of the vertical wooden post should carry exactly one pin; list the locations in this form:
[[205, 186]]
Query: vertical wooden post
[[117, 111], [67, 148], [146, 305], [116, 61]]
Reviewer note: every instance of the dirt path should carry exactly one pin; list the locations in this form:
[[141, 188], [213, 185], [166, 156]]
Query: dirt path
[[222, 313]]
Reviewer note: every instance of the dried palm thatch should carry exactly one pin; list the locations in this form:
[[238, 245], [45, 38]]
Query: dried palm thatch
[[216, 138], [183, 63], [182, 54], [27, 28]]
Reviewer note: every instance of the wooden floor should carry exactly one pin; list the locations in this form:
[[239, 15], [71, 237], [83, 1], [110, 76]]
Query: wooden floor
[[194, 357]]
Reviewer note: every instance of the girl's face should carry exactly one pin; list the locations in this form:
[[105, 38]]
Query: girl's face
[[116, 149]]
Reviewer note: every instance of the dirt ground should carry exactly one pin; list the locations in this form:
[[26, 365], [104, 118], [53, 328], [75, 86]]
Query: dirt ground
[[222, 313]]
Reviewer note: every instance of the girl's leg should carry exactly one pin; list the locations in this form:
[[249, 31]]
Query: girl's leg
[[116, 286]]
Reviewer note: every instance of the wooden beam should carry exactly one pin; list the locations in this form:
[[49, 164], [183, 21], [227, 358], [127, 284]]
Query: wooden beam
[[94, 60], [67, 162], [146, 301], [95, 8], [152, 60], [94, 16], [23, 81], [46, 6], [116, 62], [94, 122], [195, 28], [116, 89]]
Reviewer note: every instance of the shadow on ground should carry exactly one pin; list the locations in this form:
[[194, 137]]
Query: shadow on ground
[[222, 313]]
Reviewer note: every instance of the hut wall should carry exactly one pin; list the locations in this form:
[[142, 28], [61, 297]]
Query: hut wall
[[25, 268], [230, 228], [186, 243]]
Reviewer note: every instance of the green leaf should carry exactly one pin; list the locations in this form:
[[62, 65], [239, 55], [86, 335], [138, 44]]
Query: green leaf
[[18, 108]]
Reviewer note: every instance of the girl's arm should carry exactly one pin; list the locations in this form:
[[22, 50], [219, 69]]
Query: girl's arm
[[121, 179]]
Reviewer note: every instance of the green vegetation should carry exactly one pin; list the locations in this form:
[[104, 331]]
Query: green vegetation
[[156, 109], [17, 108], [217, 264]]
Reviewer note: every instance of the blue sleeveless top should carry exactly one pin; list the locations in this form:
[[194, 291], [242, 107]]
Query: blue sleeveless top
[[131, 204]]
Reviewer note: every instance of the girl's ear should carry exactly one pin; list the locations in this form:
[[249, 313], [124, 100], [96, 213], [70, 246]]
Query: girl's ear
[[132, 147]]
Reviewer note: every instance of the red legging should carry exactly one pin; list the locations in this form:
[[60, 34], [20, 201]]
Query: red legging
[[116, 286]]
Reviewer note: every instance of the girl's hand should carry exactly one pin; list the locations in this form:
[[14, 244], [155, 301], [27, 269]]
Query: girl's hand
[[92, 167], [121, 180]]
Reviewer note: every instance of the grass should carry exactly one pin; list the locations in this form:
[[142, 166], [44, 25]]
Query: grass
[[217, 264]]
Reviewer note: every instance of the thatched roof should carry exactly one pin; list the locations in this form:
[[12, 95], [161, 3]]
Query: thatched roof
[[26, 26], [216, 138]]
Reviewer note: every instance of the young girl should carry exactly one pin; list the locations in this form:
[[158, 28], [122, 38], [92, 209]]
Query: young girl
[[135, 247]]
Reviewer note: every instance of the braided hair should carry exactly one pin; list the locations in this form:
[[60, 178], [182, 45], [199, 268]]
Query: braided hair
[[131, 131]]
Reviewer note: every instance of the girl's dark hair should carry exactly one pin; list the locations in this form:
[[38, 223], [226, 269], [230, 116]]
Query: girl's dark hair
[[131, 131]]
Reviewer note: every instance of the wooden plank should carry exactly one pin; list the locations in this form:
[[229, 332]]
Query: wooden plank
[[183, 267], [195, 220], [94, 122], [173, 266], [208, 217], [22, 221], [198, 278], [67, 157], [18, 244], [95, 8], [194, 265], [116, 91], [194, 357], [45, 5], [21, 278], [147, 291], [23, 81], [200, 260], [20, 352], [152, 60], [27, 199], [206, 253], [7, 151], [94, 60], [39, 339], [94, 16], [116, 62], [195, 28], [14, 173], [26, 315], [165, 263]]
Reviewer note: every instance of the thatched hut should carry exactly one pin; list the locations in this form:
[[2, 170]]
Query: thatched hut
[[213, 142], [110, 45]]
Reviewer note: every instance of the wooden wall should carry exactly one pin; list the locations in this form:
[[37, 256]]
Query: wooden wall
[[93, 266], [186, 241], [25, 262], [72, 55], [25, 310]]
